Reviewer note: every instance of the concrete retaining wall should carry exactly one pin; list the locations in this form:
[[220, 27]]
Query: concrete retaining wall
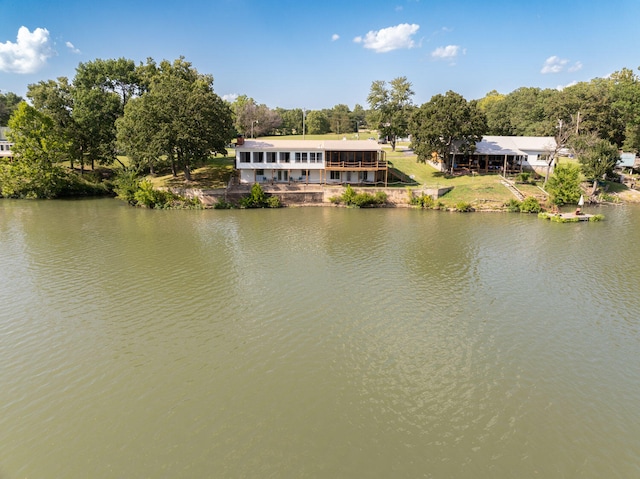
[[304, 195]]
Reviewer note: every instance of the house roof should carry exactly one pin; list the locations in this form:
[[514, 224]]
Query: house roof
[[311, 145], [515, 145]]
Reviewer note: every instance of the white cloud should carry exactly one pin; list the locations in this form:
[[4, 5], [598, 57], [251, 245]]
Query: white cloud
[[554, 64], [230, 97], [390, 38], [335, 37], [575, 67], [28, 54], [446, 53], [562, 87], [71, 47]]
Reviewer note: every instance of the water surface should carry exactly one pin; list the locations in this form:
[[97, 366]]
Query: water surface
[[316, 342]]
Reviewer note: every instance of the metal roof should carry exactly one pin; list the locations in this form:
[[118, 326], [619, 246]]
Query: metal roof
[[311, 145]]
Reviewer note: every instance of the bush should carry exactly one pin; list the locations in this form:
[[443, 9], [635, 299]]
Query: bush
[[126, 184], [274, 202], [513, 206], [259, 199], [423, 201], [464, 207], [222, 205], [530, 205], [147, 196], [564, 184], [523, 177], [360, 200]]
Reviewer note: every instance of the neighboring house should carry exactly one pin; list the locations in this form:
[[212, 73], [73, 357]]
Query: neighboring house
[[627, 160], [5, 145], [509, 154], [310, 161]]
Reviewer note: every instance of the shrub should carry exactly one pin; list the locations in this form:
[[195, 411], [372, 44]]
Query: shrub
[[423, 201], [222, 205], [564, 184], [147, 196], [464, 207], [513, 206], [274, 202], [523, 177], [259, 199], [530, 205], [126, 184], [360, 200]]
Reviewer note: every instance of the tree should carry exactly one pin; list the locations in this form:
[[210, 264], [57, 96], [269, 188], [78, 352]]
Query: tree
[[495, 106], [8, 103], [598, 158], [116, 76], [391, 108], [564, 185], [317, 123], [54, 98], [180, 115], [340, 119], [291, 121], [445, 122], [38, 149], [252, 119]]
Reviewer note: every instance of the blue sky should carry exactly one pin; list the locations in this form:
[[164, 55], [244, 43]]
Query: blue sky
[[316, 54]]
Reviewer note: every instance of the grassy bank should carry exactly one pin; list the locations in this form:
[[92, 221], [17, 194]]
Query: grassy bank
[[482, 192]]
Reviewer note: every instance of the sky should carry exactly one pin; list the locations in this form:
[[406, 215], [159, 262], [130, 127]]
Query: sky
[[316, 54]]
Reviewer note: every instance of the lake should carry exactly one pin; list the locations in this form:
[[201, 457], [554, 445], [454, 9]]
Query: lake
[[316, 342]]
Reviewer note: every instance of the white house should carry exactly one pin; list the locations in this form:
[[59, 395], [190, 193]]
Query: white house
[[310, 161], [509, 154], [5, 145]]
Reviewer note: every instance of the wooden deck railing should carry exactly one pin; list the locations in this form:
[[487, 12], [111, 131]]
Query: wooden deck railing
[[379, 165]]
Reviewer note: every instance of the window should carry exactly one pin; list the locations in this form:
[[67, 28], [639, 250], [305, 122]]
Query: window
[[335, 175], [259, 172], [301, 157], [258, 156], [285, 157], [315, 157], [271, 156], [245, 157]]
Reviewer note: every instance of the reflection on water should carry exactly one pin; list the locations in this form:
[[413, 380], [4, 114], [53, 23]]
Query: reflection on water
[[316, 342]]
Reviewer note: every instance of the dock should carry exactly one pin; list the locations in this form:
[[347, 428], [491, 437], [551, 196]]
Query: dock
[[571, 217]]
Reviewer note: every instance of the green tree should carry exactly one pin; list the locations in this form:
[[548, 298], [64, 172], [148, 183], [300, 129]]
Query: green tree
[[598, 158], [181, 116], [55, 99], [391, 108], [564, 185], [253, 120], [291, 121], [317, 123], [8, 103], [120, 76], [340, 119], [494, 106], [444, 123], [38, 149]]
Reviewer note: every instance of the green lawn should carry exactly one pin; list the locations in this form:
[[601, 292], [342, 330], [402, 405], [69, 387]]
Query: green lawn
[[215, 173]]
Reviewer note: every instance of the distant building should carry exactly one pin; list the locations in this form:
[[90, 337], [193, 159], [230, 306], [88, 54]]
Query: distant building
[[310, 161], [627, 160], [508, 154], [5, 144]]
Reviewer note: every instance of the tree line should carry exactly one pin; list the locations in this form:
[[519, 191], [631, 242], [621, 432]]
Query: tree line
[[167, 116]]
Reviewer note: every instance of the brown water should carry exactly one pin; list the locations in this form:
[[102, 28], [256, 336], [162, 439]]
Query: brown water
[[316, 342]]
